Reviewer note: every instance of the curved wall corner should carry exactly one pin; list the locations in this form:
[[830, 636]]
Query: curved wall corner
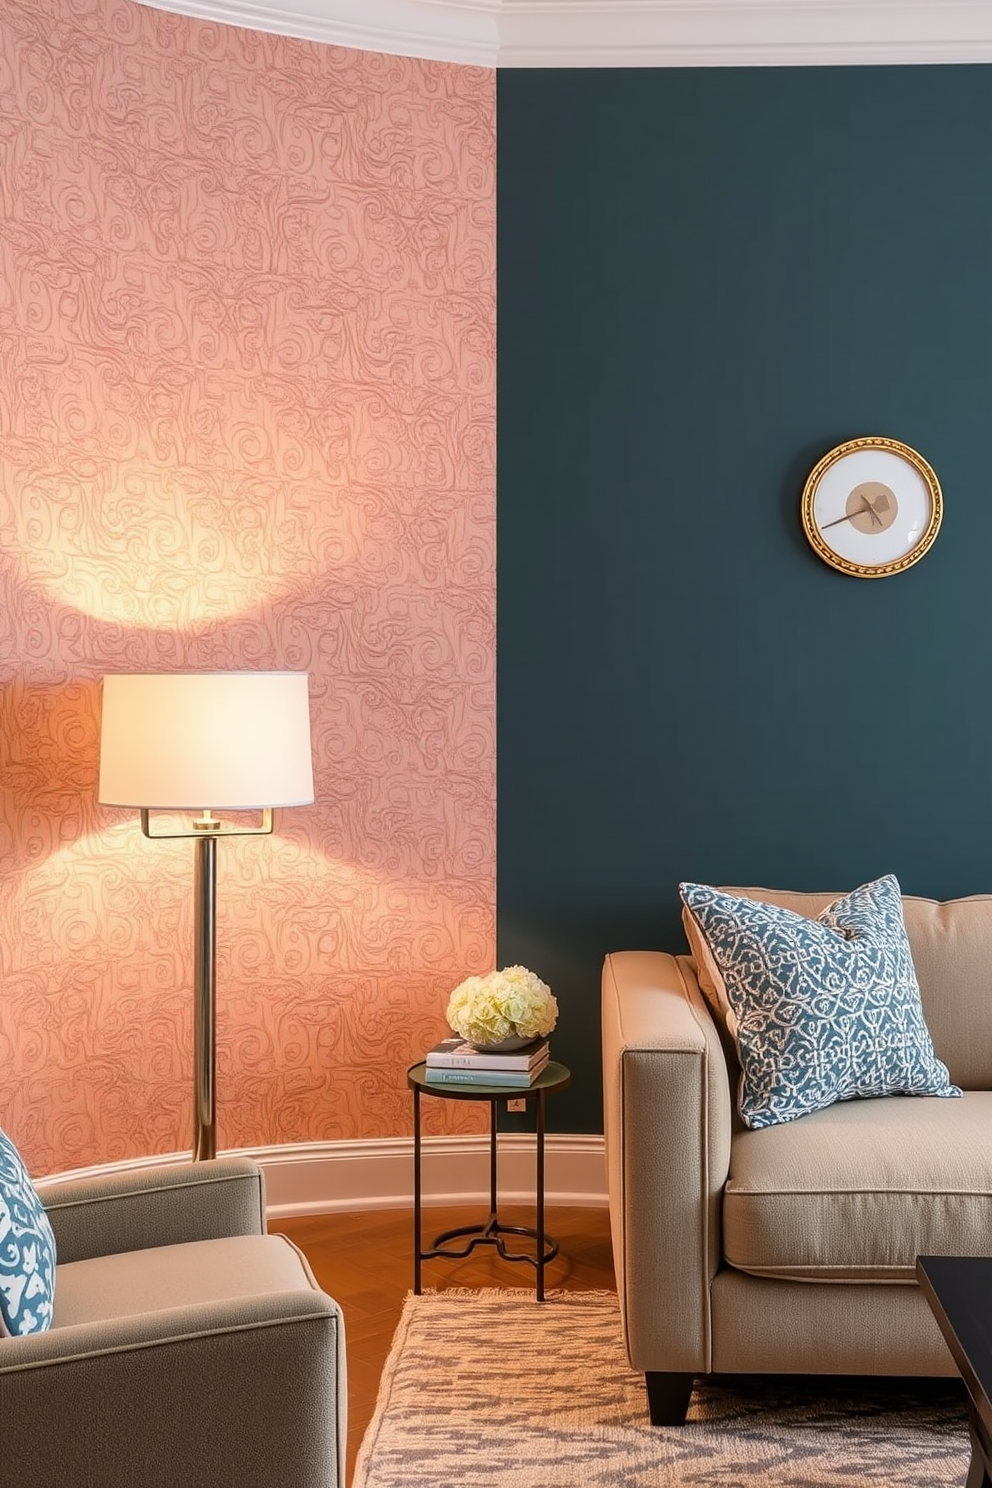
[[248, 328]]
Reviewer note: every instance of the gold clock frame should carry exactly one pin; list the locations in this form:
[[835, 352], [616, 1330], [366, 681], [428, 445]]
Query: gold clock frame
[[872, 570]]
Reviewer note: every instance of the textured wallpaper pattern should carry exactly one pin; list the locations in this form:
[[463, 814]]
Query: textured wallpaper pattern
[[247, 419]]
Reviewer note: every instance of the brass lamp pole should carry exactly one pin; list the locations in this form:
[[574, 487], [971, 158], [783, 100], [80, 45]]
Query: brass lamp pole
[[238, 739], [205, 830], [204, 987]]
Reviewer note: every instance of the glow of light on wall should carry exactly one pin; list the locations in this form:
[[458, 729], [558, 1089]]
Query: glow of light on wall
[[166, 548], [112, 894]]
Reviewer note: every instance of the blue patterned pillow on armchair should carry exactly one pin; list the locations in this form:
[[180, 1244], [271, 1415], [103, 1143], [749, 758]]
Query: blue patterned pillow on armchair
[[823, 1010], [27, 1249]]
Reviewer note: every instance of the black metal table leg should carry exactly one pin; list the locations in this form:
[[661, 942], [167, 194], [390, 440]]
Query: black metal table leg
[[417, 1196], [541, 1258], [492, 1161]]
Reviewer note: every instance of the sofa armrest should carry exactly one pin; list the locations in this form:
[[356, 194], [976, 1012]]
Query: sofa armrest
[[165, 1205], [668, 1125]]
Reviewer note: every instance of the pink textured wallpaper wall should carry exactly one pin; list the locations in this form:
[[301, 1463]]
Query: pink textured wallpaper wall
[[247, 419]]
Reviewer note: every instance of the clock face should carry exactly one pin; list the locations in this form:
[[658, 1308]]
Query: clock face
[[871, 507]]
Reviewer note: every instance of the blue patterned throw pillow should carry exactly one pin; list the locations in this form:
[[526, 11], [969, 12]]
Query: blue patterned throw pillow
[[823, 1010], [27, 1249]]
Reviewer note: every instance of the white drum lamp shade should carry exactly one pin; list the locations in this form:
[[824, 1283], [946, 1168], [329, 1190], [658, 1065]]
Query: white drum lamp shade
[[189, 741]]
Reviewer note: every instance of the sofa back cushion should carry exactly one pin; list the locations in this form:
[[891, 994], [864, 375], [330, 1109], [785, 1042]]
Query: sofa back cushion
[[821, 1010], [951, 942]]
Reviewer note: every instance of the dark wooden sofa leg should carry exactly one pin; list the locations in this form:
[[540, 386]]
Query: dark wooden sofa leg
[[668, 1397]]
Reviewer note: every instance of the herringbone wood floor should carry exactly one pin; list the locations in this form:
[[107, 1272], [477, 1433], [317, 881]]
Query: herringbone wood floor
[[365, 1261]]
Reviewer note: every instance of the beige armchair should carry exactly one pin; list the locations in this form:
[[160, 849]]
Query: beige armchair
[[791, 1249], [188, 1347]]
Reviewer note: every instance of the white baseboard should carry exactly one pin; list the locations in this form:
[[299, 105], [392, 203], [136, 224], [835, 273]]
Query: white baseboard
[[325, 1177]]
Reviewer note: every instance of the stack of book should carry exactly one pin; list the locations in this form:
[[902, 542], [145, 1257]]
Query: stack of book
[[455, 1062]]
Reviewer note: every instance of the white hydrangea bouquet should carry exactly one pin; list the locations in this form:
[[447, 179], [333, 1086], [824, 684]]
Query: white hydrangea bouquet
[[506, 1008]]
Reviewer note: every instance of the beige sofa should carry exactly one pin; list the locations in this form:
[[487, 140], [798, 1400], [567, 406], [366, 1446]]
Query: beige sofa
[[188, 1347], [790, 1249]]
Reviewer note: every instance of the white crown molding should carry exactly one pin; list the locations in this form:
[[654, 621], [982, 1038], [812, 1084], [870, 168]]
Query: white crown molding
[[328, 1177], [721, 33], [440, 30], [628, 33]]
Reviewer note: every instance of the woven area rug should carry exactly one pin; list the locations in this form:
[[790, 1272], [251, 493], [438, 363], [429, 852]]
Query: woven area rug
[[492, 1388]]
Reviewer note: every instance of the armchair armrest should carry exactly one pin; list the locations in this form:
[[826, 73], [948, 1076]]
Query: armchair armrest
[[668, 1125], [165, 1205], [251, 1391]]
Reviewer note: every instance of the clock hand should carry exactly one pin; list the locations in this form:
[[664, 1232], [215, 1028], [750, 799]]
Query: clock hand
[[860, 512]]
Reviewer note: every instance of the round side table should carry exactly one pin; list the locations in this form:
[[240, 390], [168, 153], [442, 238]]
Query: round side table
[[553, 1077]]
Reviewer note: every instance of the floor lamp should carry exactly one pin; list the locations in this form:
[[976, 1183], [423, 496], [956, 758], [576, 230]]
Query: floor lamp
[[205, 742]]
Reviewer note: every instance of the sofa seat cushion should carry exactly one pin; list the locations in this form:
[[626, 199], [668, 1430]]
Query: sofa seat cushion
[[178, 1276], [856, 1192]]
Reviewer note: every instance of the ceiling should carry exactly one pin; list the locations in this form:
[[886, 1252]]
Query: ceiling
[[627, 33]]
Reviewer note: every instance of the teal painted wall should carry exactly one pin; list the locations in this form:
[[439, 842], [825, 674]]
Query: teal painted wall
[[708, 278]]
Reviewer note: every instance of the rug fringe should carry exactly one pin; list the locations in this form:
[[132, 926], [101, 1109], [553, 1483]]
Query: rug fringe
[[520, 1294]]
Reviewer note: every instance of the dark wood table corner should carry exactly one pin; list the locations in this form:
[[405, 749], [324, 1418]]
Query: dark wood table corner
[[958, 1290]]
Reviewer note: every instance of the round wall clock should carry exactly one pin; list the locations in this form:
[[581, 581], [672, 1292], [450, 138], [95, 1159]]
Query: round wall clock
[[871, 507]]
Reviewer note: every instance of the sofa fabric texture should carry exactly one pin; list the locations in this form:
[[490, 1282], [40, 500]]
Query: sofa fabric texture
[[856, 1192], [821, 1010], [206, 1355], [160, 1205], [200, 1273], [789, 1249]]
